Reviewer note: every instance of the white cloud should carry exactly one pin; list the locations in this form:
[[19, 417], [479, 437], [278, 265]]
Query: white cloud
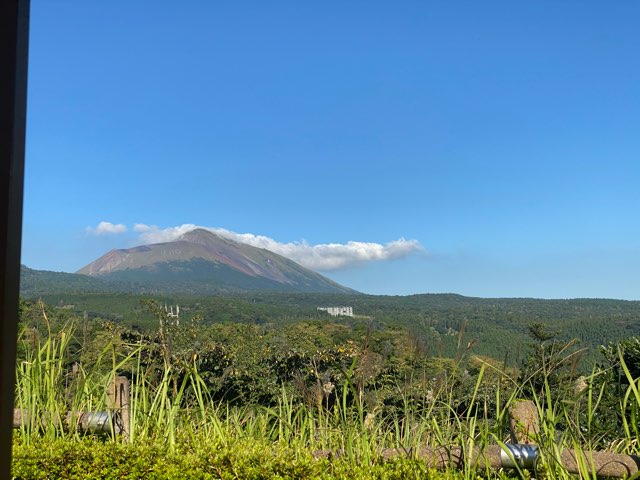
[[154, 234], [324, 256], [105, 228], [141, 227]]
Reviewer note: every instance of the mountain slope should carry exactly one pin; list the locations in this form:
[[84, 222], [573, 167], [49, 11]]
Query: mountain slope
[[202, 262]]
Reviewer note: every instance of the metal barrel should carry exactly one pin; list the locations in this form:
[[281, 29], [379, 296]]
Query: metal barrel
[[519, 456], [102, 422]]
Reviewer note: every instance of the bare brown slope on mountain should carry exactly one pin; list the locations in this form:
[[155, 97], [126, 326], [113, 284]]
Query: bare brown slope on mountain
[[201, 256]]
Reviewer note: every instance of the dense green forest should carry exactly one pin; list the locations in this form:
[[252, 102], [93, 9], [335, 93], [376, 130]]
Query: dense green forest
[[435, 323]]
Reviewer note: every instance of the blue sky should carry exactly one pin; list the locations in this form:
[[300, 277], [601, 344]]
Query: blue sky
[[500, 140]]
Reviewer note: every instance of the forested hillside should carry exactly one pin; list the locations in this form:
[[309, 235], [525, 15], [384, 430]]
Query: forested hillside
[[436, 323]]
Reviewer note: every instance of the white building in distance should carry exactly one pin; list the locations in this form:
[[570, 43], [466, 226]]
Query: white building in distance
[[337, 311], [170, 313]]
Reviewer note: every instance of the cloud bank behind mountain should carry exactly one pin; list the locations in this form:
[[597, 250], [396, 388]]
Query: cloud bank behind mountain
[[322, 257]]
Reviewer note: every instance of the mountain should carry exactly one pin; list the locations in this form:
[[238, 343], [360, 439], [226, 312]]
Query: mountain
[[202, 262]]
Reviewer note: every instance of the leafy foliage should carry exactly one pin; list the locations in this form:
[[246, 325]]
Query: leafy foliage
[[256, 399], [497, 328]]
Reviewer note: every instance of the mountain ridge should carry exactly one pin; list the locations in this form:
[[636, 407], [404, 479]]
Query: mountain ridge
[[201, 261]]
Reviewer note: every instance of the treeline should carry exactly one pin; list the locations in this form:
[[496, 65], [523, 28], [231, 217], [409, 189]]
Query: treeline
[[246, 362], [495, 328]]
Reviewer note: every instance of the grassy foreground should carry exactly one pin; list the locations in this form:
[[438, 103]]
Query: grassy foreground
[[178, 430]]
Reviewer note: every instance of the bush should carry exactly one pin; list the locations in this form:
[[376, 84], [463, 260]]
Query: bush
[[90, 459]]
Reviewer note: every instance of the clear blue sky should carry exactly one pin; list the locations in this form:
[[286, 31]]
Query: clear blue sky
[[503, 137]]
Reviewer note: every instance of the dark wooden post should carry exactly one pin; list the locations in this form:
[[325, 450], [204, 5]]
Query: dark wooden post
[[14, 36]]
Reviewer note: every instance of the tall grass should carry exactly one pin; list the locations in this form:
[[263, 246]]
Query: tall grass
[[175, 407]]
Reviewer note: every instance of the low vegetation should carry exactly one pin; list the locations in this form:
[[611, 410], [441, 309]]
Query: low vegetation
[[304, 398]]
